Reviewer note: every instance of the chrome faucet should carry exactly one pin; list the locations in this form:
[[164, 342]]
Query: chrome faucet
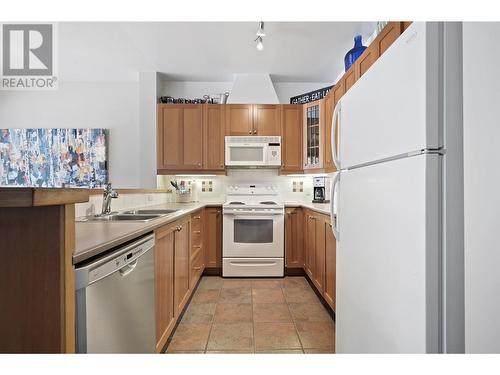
[[109, 193]]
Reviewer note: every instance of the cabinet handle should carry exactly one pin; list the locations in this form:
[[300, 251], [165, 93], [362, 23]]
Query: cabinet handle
[[218, 211], [249, 132], [178, 229], [197, 231], [197, 217], [199, 164], [197, 246], [255, 132], [197, 268], [312, 218]]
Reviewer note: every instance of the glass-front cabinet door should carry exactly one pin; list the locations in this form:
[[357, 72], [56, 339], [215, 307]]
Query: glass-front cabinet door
[[314, 134]]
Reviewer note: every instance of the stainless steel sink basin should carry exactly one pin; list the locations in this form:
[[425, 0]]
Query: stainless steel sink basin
[[151, 211], [122, 217]]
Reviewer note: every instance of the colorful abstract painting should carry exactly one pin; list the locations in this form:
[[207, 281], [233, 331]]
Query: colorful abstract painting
[[53, 157]]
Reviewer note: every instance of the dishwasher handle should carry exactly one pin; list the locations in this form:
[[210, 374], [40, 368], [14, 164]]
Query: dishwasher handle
[[128, 268]]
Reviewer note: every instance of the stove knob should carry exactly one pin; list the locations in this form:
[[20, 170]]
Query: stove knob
[[235, 187]]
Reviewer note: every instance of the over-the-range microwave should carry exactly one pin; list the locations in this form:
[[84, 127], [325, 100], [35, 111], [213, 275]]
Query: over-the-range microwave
[[253, 151]]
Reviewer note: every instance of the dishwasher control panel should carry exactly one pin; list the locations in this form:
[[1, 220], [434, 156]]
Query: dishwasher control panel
[[117, 260]]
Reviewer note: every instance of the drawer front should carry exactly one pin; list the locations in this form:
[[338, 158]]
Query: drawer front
[[196, 268]]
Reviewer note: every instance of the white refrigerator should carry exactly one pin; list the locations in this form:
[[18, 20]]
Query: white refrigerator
[[389, 194]]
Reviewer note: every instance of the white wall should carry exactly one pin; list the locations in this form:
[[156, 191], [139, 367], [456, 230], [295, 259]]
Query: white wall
[[482, 186], [81, 105], [192, 90]]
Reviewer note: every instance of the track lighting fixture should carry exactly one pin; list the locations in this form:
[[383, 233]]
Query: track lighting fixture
[[260, 33]]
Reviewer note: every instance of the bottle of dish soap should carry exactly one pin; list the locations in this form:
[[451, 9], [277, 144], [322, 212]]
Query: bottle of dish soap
[[354, 53]]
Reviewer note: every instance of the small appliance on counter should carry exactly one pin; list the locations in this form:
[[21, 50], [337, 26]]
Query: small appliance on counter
[[319, 190]]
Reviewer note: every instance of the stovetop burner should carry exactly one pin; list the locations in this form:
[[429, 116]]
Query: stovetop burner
[[268, 202], [239, 203]]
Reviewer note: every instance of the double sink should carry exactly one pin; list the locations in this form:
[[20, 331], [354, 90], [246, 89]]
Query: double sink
[[143, 215]]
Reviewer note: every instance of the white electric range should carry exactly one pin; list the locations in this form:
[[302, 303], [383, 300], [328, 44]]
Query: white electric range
[[253, 232]]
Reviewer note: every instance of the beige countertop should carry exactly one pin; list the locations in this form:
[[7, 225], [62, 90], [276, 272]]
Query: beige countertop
[[93, 238]]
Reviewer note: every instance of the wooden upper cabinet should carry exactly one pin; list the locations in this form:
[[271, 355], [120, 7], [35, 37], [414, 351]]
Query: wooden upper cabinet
[[164, 284], [405, 25], [330, 265], [349, 78], [239, 119], [266, 120], [192, 141], [369, 56], [169, 137], [314, 133], [387, 36], [291, 138], [179, 136], [214, 132]]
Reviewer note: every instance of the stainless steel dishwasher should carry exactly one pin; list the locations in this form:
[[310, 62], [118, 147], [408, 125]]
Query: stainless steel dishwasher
[[115, 304]]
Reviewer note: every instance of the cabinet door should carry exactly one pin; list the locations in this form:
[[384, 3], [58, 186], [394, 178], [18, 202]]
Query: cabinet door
[[369, 56], [387, 36], [266, 120], [181, 269], [310, 252], [213, 237], [291, 137], [164, 284], [192, 131], [294, 240], [214, 136], [239, 119], [314, 132], [330, 264], [170, 137], [349, 78], [319, 254]]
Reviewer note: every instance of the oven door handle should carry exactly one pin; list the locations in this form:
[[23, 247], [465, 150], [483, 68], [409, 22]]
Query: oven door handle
[[251, 213]]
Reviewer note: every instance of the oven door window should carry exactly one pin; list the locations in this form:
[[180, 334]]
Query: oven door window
[[247, 154], [253, 231]]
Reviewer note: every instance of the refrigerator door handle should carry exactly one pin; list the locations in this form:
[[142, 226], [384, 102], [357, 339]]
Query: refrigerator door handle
[[333, 215], [335, 118]]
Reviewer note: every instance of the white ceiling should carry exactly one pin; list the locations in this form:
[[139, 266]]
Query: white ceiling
[[205, 51]]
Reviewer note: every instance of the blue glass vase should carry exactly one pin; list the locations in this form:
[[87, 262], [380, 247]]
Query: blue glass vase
[[354, 53]]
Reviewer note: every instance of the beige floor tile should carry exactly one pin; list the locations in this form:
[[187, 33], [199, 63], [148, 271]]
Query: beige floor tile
[[199, 313], [300, 295], [236, 295], [233, 313], [185, 352], [191, 336], [271, 313], [267, 296], [231, 336], [267, 283], [237, 283], [316, 335], [275, 336], [283, 351], [206, 296], [311, 312], [295, 282], [211, 282]]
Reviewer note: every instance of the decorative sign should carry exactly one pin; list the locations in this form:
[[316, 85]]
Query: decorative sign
[[311, 96]]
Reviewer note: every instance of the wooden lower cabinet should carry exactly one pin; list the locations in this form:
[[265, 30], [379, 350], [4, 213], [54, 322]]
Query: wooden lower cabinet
[[294, 238], [164, 284], [319, 249], [181, 265], [213, 237], [197, 254], [330, 264]]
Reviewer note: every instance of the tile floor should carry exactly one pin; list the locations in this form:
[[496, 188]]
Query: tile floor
[[254, 316]]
